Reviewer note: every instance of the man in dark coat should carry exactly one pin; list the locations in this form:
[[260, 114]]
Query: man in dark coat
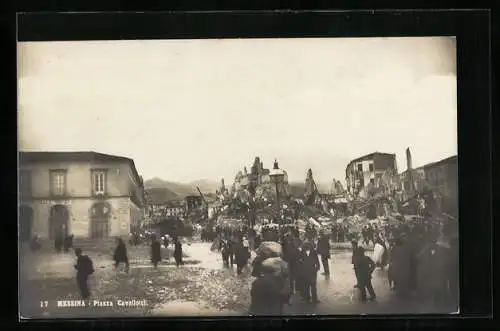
[[324, 251], [334, 231], [231, 248], [354, 244], [242, 257], [120, 255], [365, 267], [225, 253], [309, 269], [34, 243], [266, 294], [178, 253], [155, 252], [58, 242], [67, 243], [84, 268]]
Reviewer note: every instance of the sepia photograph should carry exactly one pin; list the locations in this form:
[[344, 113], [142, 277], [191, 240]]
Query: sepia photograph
[[238, 177]]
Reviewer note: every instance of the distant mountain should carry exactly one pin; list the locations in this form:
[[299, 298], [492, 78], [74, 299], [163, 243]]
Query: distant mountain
[[298, 189], [206, 186], [159, 195], [182, 189]]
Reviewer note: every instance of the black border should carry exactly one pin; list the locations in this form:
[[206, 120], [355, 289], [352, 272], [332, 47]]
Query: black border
[[472, 29]]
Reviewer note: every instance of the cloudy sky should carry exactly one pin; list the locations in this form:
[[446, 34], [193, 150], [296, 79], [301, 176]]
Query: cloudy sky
[[202, 109]]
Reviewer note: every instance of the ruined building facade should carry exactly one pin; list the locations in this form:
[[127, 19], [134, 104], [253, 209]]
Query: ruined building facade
[[369, 169]]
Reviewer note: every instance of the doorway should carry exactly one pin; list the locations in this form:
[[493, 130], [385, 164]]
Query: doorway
[[100, 214], [25, 223], [58, 221]]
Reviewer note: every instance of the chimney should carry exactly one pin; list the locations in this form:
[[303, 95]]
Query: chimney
[[408, 159]]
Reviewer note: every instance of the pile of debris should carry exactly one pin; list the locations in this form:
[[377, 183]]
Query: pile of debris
[[269, 260]]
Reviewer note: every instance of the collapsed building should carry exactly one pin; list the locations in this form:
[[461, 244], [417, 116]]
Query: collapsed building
[[369, 169]]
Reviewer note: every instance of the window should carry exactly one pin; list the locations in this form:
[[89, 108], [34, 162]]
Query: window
[[24, 183], [98, 182], [360, 167], [370, 167], [372, 181], [58, 182]]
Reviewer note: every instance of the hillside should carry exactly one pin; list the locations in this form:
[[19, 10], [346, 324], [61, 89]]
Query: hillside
[[298, 189], [181, 189], [160, 195]]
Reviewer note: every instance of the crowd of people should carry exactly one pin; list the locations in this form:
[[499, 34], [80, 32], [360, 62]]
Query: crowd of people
[[421, 257]]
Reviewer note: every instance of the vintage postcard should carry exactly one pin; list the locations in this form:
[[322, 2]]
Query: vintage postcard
[[224, 177]]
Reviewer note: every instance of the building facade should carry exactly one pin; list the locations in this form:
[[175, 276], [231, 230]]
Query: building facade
[[412, 180], [368, 169], [442, 179], [87, 194], [169, 209], [192, 203]]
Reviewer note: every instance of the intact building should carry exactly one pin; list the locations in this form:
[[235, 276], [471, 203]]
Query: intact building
[[169, 208], [175, 208], [87, 194], [368, 169]]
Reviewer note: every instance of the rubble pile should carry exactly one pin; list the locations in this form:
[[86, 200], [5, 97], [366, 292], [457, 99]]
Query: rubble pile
[[198, 284], [269, 260]]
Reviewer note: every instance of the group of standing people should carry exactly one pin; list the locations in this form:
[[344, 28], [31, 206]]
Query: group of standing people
[[339, 232], [303, 260], [272, 290], [84, 264], [235, 250]]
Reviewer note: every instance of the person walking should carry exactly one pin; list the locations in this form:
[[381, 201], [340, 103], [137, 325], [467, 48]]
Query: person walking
[[291, 258], [120, 255], [365, 267], [155, 251], [225, 253], [242, 256], [84, 268], [324, 251], [178, 253]]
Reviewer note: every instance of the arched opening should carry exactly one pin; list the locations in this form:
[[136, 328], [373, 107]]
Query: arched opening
[[100, 213], [25, 223], [58, 221]]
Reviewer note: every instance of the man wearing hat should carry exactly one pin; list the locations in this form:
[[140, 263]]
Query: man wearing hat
[[324, 251], [310, 267], [365, 267]]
